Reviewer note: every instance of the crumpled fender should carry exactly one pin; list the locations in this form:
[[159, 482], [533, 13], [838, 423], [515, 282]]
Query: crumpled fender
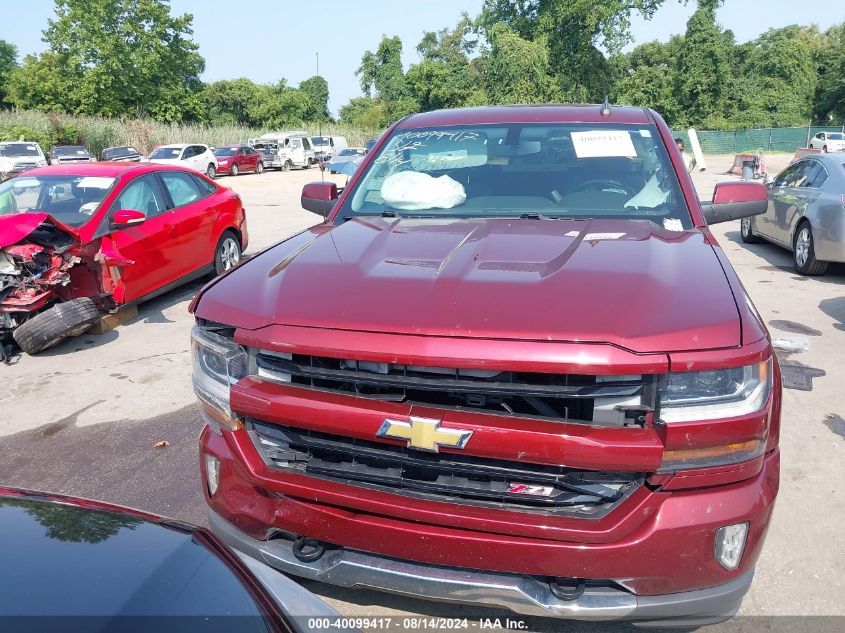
[[110, 255], [17, 226]]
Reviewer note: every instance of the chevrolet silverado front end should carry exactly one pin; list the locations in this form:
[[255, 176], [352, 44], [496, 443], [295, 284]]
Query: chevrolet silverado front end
[[513, 368]]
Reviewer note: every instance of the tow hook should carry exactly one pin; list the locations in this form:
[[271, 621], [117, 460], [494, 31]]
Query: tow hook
[[567, 588], [307, 549]]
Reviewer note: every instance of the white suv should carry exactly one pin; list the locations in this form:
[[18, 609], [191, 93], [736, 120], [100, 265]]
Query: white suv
[[829, 141], [195, 156], [18, 156]]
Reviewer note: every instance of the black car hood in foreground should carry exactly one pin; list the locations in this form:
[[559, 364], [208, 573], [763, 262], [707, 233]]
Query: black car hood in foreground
[[99, 568]]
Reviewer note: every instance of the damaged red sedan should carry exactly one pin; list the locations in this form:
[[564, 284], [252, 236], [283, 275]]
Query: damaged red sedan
[[80, 241]]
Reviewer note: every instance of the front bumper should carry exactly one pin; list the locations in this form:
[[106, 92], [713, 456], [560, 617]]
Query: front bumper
[[525, 595], [650, 558]]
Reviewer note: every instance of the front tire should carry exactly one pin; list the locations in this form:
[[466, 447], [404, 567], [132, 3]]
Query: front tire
[[260, 168], [211, 171], [746, 232], [234, 170], [50, 327], [227, 254], [804, 252], [287, 166]]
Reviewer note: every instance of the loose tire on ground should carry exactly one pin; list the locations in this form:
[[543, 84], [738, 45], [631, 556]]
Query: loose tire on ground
[[63, 320]]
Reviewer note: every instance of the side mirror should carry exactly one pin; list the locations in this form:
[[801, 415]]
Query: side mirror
[[735, 200], [319, 197], [123, 218]]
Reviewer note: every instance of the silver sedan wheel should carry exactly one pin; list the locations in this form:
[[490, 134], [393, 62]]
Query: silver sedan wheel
[[230, 253], [802, 246]]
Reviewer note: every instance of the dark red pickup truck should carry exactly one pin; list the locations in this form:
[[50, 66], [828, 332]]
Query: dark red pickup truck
[[513, 367]]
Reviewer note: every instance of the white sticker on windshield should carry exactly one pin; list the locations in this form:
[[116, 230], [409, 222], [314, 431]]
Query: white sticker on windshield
[[603, 143], [95, 182], [673, 224], [31, 148], [594, 237]]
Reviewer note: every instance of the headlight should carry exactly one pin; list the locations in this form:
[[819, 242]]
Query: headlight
[[715, 394], [218, 363]]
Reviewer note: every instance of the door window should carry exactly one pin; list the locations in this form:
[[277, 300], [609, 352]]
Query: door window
[[814, 175], [789, 176], [181, 187], [206, 188], [141, 195]]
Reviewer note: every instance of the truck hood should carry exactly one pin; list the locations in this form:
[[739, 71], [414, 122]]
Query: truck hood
[[629, 283], [18, 226]]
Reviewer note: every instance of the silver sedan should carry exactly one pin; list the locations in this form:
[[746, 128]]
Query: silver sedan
[[806, 213]]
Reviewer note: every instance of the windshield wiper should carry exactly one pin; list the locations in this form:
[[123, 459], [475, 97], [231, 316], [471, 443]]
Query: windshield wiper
[[533, 215]]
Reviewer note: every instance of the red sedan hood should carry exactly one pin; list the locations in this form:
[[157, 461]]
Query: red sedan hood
[[629, 283], [15, 227]]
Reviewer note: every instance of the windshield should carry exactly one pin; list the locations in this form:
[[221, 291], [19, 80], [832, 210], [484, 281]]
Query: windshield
[[19, 149], [836, 137], [69, 149], [226, 151], [321, 140], [166, 152], [567, 170], [69, 199], [351, 151]]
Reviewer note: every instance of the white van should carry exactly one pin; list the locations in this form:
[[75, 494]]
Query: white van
[[284, 150], [327, 146]]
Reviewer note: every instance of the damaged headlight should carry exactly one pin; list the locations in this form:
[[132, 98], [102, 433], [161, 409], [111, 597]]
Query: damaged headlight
[[715, 394], [218, 363]]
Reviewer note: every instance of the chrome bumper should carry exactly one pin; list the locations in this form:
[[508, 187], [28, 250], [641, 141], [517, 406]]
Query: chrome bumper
[[525, 595]]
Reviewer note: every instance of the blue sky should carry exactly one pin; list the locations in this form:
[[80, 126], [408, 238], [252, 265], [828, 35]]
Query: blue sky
[[266, 40]]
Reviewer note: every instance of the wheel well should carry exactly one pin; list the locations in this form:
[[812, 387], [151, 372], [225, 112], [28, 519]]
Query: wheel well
[[798, 226], [237, 233]]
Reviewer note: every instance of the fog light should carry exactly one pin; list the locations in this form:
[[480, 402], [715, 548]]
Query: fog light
[[212, 472], [730, 541]]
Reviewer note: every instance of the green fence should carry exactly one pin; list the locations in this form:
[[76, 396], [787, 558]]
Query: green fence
[[777, 139]]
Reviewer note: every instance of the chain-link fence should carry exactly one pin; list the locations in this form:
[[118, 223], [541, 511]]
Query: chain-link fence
[[776, 139]]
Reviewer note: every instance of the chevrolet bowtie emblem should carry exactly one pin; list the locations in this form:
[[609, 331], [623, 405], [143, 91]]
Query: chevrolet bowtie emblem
[[423, 433]]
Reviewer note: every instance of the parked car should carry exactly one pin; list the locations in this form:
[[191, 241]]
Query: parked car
[[19, 156], [198, 157], [285, 150], [123, 153], [236, 159], [806, 214], [513, 366], [325, 147], [100, 567], [828, 141], [77, 241], [64, 154], [352, 155]]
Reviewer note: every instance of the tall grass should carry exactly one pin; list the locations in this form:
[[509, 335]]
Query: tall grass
[[97, 133]]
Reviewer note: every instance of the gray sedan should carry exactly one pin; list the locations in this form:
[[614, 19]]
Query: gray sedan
[[806, 213]]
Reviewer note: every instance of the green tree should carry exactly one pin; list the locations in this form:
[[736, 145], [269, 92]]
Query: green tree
[[705, 68], [646, 78], [830, 92], [280, 106], [365, 112], [446, 78], [316, 88], [517, 70], [574, 32], [41, 84], [119, 57], [231, 101], [775, 79], [8, 61], [381, 73]]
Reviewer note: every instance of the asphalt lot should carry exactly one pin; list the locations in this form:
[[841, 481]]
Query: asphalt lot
[[83, 418]]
